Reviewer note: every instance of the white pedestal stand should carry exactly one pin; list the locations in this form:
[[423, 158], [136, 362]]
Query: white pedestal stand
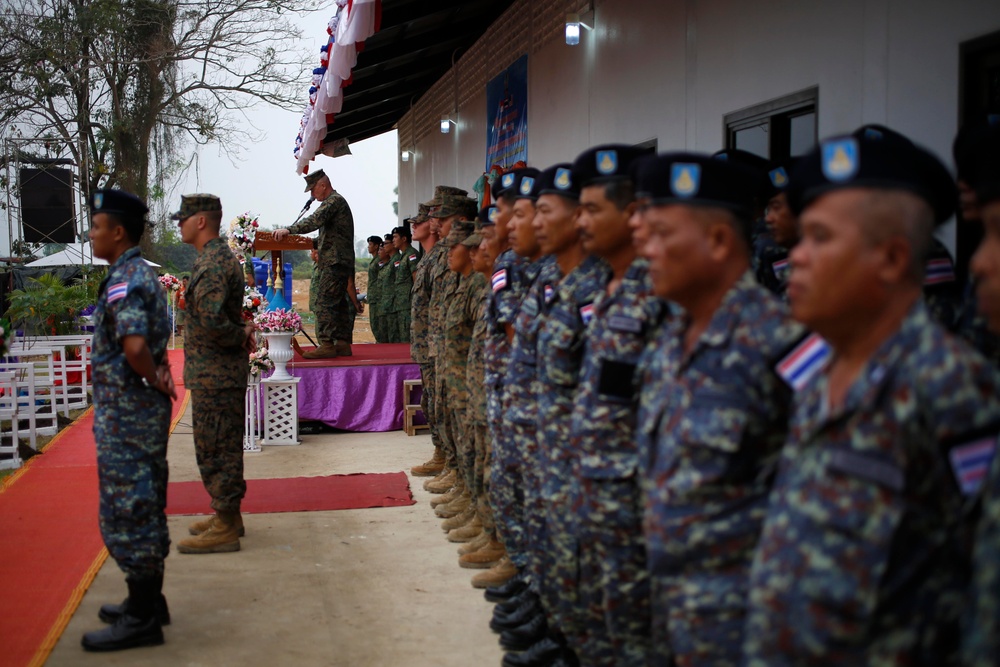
[[251, 429], [281, 411]]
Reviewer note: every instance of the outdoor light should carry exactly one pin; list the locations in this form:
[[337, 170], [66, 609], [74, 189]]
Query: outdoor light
[[573, 24], [446, 123], [405, 156]]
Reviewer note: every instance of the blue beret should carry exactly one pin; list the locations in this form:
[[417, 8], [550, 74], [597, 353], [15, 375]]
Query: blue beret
[[524, 183], [603, 164], [697, 179], [557, 180], [119, 202], [488, 216]]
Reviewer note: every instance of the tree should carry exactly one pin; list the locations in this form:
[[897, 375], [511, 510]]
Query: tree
[[126, 84]]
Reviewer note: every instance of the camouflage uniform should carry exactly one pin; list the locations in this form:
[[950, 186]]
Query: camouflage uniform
[[567, 308], [420, 304], [373, 298], [335, 223], [516, 404], [605, 498], [444, 283], [404, 266], [723, 415], [864, 555], [772, 266], [981, 643], [131, 421], [475, 382], [215, 370], [942, 292], [971, 326]]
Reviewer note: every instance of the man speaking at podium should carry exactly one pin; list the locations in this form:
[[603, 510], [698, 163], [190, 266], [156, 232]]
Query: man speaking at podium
[[335, 244]]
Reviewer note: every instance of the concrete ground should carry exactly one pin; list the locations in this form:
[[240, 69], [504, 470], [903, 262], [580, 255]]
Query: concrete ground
[[372, 587]]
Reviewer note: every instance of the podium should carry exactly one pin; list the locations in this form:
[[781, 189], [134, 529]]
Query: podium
[[264, 241]]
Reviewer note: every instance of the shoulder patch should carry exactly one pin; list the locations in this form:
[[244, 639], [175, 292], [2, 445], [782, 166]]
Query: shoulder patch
[[804, 361], [549, 293], [396, 263], [970, 462], [780, 266], [413, 258], [499, 280], [587, 313], [117, 291], [939, 271]]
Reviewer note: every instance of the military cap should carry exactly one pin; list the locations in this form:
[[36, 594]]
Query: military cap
[[604, 164], [508, 180], [524, 183], [456, 205], [873, 157], [119, 202], [473, 240], [760, 166], [198, 203], [402, 230], [697, 179], [388, 238], [487, 216], [558, 180], [314, 178], [375, 239], [442, 191], [460, 230], [779, 175]]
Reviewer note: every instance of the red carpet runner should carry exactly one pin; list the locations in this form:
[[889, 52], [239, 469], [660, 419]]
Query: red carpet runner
[[301, 494], [50, 545]]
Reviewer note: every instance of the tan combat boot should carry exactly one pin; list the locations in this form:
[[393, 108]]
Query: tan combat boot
[[221, 537], [324, 351], [432, 467], [470, 531], [441, 484], [343, 348], [487, 557], [498, 575], [199, 527], [455, 507], [475, 545], [445, 498], [458, 520]]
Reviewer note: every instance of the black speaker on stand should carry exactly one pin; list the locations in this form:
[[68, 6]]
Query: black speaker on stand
[[48, 213]]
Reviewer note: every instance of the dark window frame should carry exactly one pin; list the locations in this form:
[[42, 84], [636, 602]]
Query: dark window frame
[[777, 115]]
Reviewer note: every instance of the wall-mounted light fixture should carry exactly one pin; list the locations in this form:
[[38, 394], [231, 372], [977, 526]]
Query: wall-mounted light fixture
[[405, 156], [576, 21], [446, 123]]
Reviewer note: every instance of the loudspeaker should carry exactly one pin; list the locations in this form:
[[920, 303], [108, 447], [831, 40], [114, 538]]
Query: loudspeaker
[[47, 211]]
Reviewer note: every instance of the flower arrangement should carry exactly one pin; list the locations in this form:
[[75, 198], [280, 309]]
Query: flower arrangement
[[170, 282], [260, 362], [5, 332], [242, 234], [278, 321], [252, 303]]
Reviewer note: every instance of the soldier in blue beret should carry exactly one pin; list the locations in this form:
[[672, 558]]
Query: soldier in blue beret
[[713, 413], [132, 392], [864, 556], [771, 252]]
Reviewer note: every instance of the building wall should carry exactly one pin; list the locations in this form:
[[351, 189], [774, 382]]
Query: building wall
[[671, 69]]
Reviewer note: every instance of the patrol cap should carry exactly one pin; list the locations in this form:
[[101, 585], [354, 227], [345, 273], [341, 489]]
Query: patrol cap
[[604, 164], [524, 183], [198, 203], [696, 179], [314, 178], [558, 180], [507, 180], [460, 230], [456, 205], [473, 240], [375, 239], [873, 157], [488, 216], [442, 191], [121, 203]]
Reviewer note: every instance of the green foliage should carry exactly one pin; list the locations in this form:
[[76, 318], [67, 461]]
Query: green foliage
[[47, 307]]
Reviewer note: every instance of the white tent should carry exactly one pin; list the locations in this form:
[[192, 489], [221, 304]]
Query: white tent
[[75, 254]]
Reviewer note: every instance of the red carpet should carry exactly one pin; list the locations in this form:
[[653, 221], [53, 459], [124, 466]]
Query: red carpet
[[301, 494], [377, 354], [50, 545]]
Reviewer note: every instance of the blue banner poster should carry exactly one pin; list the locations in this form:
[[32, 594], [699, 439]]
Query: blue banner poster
[[507, 116]]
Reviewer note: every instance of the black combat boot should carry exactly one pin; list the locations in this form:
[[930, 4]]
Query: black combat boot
[[137, 625], [110, 612]]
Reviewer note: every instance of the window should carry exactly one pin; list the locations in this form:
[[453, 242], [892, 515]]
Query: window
[[776, 129]]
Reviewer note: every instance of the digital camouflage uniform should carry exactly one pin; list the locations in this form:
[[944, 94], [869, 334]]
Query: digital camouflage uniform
[[475, 376], [459, 321], [131, 421], [723, 415], [444, 283], [942, 291], [373, 298], [606, 499], [506, 484], [972, 328], [335, 244], [404, 266], [567, 308], [386, 281], [521, 411], [981, 645], [772, 266], [216, 366], [420, 307], [865, 551]]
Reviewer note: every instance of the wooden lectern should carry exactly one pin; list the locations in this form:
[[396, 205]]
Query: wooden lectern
[[265, 241]]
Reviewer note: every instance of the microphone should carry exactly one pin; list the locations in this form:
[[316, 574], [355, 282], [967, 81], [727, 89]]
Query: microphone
[[308, 205]]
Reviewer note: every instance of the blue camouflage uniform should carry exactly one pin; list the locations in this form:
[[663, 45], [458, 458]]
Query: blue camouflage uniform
[[722, 418], [864, 555], [605, 496], [131, 421], [981, 641], [566, 309]]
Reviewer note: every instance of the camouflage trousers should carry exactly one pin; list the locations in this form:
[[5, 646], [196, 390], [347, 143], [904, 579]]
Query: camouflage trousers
[[614, 596], [442, 415], [533, 509], [464, 439], [131, 433], [401, 325], [981, 642], [333, 317], [481, 439], [700, 617], [218, 444], [427, 401], [506, 484], [378, 320]]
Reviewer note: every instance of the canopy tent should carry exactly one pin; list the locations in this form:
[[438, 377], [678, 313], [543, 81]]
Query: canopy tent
[[75, 254]]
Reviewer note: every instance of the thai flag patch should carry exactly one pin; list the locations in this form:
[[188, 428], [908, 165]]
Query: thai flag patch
[[549, 293], [499, 280], [587, 313], [780, 266], [804, 362], [939, 271], [971, 462], [117, 291]]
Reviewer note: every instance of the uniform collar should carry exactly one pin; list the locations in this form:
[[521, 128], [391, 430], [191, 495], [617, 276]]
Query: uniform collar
[[726, 316], [134, 251]]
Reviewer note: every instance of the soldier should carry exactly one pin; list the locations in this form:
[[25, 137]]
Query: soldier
[[981, 644], [372, 296], [216, 365], [606, 499], [403, 268], [721, 413], [386, 282], [772, 258], [132, 392], [864, 554], [335, 223]]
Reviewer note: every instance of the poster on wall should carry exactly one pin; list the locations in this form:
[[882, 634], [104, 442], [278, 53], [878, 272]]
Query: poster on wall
[[507, 116]]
